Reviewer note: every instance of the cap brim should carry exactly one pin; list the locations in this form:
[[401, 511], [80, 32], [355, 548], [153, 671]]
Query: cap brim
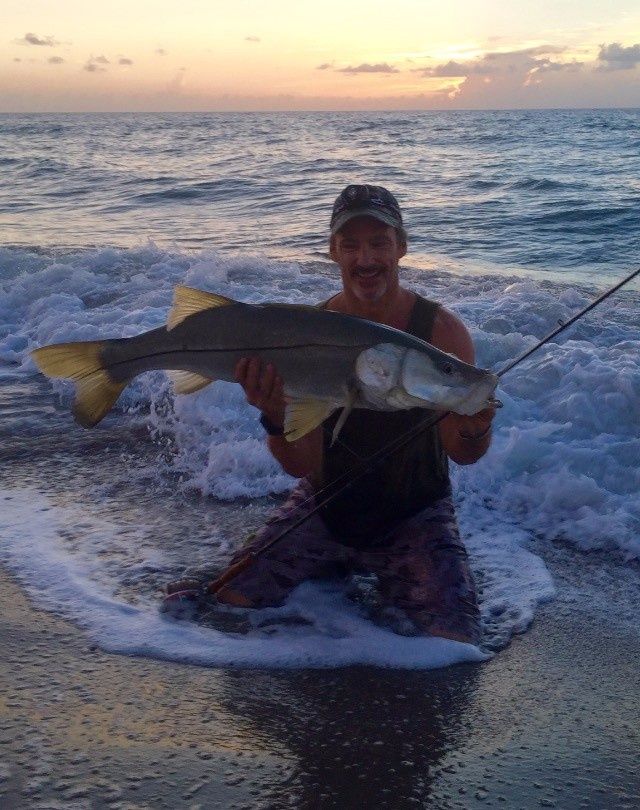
[[342, 219]]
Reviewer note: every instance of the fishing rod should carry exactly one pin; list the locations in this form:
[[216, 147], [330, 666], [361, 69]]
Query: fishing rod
[[564, 325], [368, 464]]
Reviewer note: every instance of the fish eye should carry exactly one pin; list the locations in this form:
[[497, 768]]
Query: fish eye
[[447, 368]]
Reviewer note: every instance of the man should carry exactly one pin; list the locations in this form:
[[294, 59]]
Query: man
[[398, 521]]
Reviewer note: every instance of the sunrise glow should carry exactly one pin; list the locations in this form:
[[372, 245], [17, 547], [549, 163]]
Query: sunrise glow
[[288, 54]]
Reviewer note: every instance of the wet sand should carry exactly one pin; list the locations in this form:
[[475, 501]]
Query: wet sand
[[551, 721]]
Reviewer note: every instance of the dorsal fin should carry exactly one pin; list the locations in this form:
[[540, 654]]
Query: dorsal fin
[[188, 301]]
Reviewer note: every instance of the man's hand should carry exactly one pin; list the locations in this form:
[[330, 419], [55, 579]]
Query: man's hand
[[477, 426], [467, 438], [263, 387]]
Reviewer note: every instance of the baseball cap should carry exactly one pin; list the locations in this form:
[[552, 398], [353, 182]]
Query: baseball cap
[[365, 201]]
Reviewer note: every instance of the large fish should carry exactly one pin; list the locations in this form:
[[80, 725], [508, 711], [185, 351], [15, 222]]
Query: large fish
[[327, 361]]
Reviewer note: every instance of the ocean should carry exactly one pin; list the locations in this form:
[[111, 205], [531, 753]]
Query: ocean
[[516, 220]]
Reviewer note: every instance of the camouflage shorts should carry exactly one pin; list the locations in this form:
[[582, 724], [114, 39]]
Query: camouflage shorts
[[422, 567]]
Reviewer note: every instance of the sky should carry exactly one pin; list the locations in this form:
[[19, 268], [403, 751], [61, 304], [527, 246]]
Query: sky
[[165, 55]]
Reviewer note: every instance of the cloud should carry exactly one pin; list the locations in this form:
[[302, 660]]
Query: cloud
[[539, 50], [55, 60], [617, 57], [502, 63], [325, 66], [161, 51], [379, 67], [506, 78], [125, 61], [34, 39], [17, 59], [252, 39], [94, 64], [449, 69], [560, 67]]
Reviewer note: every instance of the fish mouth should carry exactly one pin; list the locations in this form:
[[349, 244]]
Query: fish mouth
[[477, 397], [442, 397], [473, 402]]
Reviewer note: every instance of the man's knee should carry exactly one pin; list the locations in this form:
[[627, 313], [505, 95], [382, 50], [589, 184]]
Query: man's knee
[[229, 596], [457, 627]]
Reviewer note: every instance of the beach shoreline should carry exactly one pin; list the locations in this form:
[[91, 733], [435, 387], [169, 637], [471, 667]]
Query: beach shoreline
[[551, 721]]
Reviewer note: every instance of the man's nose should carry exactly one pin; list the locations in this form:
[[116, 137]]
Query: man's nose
[[365, 255]]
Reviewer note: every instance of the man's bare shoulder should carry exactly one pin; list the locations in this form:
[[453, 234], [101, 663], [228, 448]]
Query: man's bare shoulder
[[451, 335]]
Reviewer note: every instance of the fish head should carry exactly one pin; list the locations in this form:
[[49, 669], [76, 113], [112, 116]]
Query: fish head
[[391, 376], [442, 381]]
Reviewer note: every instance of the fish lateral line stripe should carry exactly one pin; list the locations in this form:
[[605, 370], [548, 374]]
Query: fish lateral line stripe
[[291, 346], [203, 351]]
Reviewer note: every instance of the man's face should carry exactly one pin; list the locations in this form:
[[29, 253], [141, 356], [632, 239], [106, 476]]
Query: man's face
[[367, 252]]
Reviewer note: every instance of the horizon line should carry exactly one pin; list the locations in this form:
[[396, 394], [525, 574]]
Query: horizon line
[[319, 110]]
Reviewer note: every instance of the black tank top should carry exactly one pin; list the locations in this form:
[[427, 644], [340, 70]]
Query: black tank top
[[400, 486]]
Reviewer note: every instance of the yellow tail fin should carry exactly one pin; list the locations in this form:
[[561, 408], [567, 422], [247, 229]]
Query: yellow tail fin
[[96, 393]]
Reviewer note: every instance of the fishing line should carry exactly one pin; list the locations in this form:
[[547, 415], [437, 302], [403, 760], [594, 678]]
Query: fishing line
[[368, 464], [568, 323]]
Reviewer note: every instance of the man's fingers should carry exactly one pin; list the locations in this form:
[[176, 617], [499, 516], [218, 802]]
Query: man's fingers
[[278, 388], [267, 379], [276, 397], [489, 413], [240, 371], [247, 373], [483, 418], [252, 379], [263, 386]]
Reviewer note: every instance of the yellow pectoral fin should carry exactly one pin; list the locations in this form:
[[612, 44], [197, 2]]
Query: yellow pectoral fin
[[188, 301], [304, 415], [187, 382]]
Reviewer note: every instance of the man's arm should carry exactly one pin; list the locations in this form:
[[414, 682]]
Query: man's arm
[[464, 438], [264, 390]]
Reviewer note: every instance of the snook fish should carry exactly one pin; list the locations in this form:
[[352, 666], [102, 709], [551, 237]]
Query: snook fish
[[327, 361]]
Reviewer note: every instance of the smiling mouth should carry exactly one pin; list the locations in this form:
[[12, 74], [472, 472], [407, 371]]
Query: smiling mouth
[[361, 273]]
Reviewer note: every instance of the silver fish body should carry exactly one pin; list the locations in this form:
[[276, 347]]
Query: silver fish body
[[327, 360]]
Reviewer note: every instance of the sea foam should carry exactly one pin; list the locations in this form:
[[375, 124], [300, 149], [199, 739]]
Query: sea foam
[[564, 463], [335, 635]]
